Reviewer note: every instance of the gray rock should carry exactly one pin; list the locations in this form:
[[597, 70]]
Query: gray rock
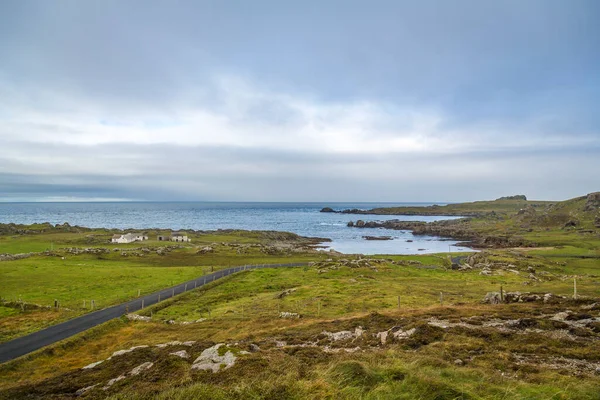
[[181, 353], [140, 368], [254, 348], [210, 360], [492, 298], [85, 389]]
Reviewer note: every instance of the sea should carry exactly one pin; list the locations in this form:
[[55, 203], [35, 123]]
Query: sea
[[301, 218]]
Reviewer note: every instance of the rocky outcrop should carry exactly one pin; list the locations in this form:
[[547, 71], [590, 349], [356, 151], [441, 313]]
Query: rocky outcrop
[[330, 264], [458, 229], [377, 238], [592, 202], [515, 197], [211, 359], [518, 297]]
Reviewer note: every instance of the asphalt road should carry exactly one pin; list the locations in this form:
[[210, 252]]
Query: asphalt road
[[35, 341]]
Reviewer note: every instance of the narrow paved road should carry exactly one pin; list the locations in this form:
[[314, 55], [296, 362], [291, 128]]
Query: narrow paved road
[[26, 344]]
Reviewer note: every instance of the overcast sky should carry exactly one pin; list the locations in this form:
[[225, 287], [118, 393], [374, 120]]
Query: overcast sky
[[299, 100]]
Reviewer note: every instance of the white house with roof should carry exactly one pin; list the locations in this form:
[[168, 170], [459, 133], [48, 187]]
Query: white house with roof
[[174, 237], [129, 237]]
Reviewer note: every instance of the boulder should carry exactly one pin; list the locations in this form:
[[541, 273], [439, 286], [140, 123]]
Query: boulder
[[253, 348], [492, 298], [360, 223], [327, 210], [211, 360], [181, 353], [571, 223], [140, 368]]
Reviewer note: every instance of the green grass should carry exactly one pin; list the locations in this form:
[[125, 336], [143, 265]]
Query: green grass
[[117, 276]]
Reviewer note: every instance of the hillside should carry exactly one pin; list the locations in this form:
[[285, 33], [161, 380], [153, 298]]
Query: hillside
[[511, 223], [472, 209]]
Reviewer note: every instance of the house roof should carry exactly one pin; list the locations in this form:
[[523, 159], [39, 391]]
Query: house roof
[[115, 236]]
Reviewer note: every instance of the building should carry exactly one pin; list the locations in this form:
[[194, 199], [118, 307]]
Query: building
[[179, 237], [174, 237], [129, 238]]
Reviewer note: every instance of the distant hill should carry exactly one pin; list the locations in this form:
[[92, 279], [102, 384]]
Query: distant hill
[[515, 197]]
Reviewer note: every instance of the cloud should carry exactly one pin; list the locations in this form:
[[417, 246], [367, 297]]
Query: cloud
[[391, 101]]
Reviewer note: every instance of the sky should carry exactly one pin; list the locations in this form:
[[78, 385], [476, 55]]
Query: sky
[[299, 100]]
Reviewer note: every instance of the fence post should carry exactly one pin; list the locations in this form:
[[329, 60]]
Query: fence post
[[575, 288], [441, 299], [398, 302]]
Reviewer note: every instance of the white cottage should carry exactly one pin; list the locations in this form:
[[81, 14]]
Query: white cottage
[[129, 238], [179, 237]]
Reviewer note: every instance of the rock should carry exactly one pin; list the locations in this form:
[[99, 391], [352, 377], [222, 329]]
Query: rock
[[113, 381], [206, 250], [382, 336], [512, 297], [458, 361], [592, 202], [136, 317], [327, 210], [173, 343], [455, 266], [254, 348], [93, 365], [284, 293], [344, 335], [492, 298], [593, 306], [210, 360], [571, 223], [360, 223], [561, 316], [400, 334], [140, 368], [120, 353], [377, 238], [486, 272], [85, 389], [181, 353], [288, 315]]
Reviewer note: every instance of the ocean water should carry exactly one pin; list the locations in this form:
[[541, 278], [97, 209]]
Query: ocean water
[[301, 218]]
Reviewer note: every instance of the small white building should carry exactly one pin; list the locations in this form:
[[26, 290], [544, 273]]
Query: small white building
[[129, 238], [179, 237]]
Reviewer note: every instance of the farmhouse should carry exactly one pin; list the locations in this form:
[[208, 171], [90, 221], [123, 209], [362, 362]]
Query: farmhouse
[[129, 238], [174, 237]]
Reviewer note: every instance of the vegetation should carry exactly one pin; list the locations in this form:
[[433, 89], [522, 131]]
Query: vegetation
[[406, 327], [110, 273]]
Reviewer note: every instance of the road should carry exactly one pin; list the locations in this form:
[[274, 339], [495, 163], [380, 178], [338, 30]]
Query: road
[[35, 341]]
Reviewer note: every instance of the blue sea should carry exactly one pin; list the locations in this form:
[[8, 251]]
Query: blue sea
[[301, 218]]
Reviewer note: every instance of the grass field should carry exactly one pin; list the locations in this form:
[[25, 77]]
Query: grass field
[[244, 309], [111, 277], [454, 347]]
